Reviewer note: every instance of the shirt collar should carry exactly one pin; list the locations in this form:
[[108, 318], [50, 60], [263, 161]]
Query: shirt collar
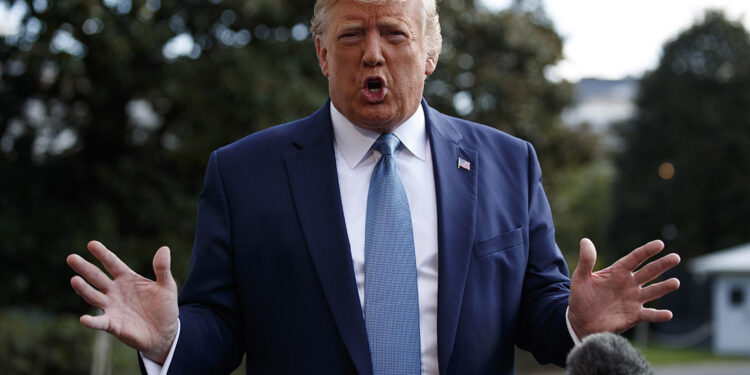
[[354, 143]]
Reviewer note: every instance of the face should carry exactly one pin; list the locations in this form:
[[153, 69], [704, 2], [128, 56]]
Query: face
[[375, 61]]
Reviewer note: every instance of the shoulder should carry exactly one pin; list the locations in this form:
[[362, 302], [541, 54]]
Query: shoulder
[[480, 137], [276, 141], [272, 138]]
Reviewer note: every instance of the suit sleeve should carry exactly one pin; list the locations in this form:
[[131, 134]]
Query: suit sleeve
[[541, 327], [210, 338]]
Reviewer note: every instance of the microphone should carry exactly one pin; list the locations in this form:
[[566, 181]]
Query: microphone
[[606, 354]]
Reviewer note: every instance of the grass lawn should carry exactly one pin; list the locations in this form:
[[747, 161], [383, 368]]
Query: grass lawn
[[667, 356]]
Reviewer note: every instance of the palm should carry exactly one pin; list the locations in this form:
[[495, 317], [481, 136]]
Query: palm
[[611, 300], [140, 312], [137, 307]]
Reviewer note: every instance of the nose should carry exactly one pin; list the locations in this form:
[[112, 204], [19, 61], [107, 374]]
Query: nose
[[372, 55]]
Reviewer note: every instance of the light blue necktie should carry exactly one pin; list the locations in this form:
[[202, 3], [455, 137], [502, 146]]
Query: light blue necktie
[[391, 299]]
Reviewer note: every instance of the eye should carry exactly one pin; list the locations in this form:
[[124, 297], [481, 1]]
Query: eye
[[349, 37], [395, 35]]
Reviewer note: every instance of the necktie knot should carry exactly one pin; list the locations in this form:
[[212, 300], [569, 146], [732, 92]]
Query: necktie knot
[[386, 143]]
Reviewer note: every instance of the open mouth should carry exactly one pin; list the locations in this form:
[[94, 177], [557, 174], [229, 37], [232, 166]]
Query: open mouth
[[374, 85], [374, 89]]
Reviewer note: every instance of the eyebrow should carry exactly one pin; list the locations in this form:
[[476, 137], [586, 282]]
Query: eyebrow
[[353, 25], [392, 22], [388, 22]]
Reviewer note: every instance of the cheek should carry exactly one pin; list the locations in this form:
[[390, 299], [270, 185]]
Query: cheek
[[342, 66], [410, 66], [413, 75]]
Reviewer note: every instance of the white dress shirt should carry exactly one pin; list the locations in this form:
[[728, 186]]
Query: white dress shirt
[[355, 162]]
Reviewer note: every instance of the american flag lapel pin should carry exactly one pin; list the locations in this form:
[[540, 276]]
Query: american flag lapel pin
[[464, 164]]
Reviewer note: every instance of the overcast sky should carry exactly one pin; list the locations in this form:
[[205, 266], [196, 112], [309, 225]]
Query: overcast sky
[[614, 39]]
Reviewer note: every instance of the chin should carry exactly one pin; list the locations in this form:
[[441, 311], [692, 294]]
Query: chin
[[380, 124], [382, 129], [379, 119]]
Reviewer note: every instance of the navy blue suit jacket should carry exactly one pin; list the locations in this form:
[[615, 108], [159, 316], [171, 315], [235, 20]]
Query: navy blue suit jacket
[[271, 271]]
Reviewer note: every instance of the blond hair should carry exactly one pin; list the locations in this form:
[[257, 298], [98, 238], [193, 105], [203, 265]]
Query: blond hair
[[432, 38]]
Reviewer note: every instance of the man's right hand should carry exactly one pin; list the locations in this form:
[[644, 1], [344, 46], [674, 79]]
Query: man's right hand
[[140, 312]]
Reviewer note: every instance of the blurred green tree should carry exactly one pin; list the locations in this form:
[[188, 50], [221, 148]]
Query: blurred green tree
[[39, 343], [110, 110], [107, 124], [684, 172]]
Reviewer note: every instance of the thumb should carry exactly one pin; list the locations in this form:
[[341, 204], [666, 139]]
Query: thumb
[[161, 263], [586, 259]]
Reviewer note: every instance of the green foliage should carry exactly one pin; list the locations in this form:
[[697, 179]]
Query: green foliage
[[35, 342], [693, 115], [660, 356], [128, 181], [105, 132], [583, 200]]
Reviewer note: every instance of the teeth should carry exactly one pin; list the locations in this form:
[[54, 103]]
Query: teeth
[[374, 90]]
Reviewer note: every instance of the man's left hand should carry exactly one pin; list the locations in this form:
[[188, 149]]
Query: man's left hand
[[611, 300]]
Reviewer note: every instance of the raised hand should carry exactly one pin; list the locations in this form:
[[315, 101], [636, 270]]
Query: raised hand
[[140, 312], [611, 300]]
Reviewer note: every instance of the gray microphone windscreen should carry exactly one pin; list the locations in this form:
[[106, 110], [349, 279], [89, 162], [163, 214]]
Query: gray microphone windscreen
[[606, 354]]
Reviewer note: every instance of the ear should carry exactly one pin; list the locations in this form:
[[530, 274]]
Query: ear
[[431, 64], [322, 52]]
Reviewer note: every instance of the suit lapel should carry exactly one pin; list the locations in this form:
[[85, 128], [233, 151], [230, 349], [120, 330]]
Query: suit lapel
[[314, 183], [456, 190]]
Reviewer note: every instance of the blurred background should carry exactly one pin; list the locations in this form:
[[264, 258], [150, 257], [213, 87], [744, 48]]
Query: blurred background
[[639, 111]]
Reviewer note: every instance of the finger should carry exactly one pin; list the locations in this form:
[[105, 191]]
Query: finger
[[88, 293], [90, 272], [109, 260], [100, 322], [640, 255], [658, 290], [161, 263], [654, 315], [586, 259], [656, 268]]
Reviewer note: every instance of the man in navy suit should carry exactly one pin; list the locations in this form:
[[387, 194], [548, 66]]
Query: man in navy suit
[[278, 267]]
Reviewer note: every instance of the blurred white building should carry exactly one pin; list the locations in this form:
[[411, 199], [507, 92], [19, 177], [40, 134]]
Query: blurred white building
[[601, 102], [730, 271]]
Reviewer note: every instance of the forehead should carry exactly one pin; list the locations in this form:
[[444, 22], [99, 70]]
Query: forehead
[[358, 12]]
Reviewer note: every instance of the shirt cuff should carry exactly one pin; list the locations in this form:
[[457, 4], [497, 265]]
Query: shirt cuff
[[153, 368], [572, 333]]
